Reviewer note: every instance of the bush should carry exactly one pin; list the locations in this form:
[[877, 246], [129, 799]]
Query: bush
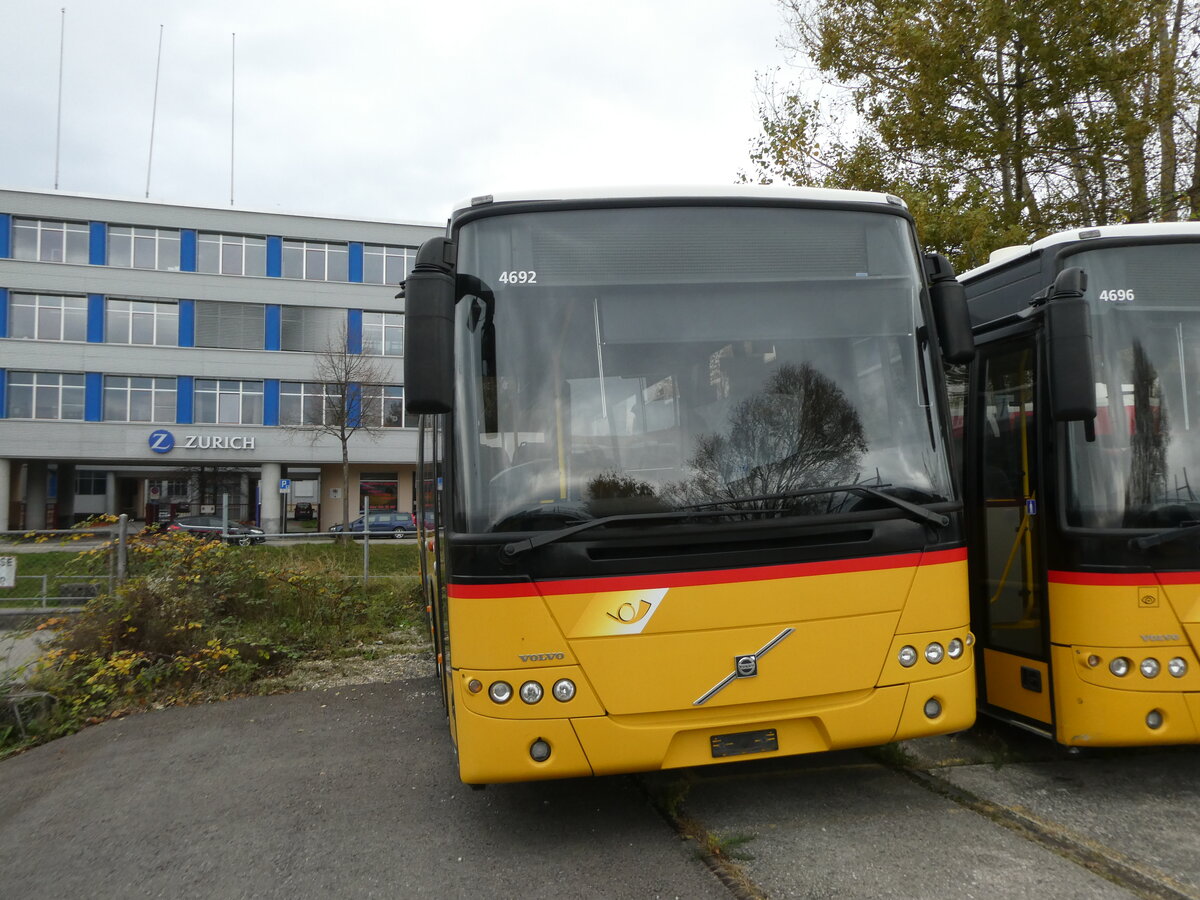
[[197, 618]]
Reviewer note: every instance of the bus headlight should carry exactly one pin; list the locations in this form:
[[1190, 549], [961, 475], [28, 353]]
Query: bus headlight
[[500, 691], [563, 690], [1177, 667], [907, 656], [1119, 667], [935, 653], [1150, 667], [954, 649], [531, 692]]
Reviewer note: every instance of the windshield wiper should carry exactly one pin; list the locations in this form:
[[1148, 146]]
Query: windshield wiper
[[706, 510], [1164, 537]]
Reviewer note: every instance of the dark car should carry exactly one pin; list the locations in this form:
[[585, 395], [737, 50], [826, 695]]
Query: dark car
[[304, 510], [211, 527], [397, 524]]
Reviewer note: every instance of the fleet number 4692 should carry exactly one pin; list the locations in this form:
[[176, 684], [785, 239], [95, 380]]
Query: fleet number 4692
[[519, 276]]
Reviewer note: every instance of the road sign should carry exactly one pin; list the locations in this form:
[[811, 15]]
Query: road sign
[[8, 571], [285, 485]]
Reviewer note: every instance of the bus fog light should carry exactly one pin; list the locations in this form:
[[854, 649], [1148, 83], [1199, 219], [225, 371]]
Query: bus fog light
[[935, 652], [1150, 667], [970, 639], [500, 691], [1154, 719], [474, 685], [1119, 667], [908, 656], [531, 692], [954, 649], [539, 750], [563, 690], [1177, 667], [933, 708]]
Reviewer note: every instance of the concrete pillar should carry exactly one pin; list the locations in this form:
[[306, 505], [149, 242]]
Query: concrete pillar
[[268, 486], [245, 498], [64, 503], [35, 495], [110, 494], [5, 493]]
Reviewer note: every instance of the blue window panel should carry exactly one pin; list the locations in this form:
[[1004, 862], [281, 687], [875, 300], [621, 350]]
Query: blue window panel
[[354, 330], [95, 319], [5, 236], [356, 262], [271, 401], [187, 250], [187, 323], [354, 405], [98, 244], [274, 257], [3, 312], [184, 395], [274, 325], [3, 393], [93, 397]]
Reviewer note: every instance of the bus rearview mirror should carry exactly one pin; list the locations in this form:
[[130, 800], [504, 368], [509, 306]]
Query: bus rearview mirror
[[429, 293], [1069, 349]]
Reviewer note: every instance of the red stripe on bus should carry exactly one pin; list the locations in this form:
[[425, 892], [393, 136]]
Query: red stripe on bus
[[693, 579], [1122, 579]]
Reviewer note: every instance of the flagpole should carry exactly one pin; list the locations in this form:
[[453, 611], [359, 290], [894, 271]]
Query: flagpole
[[232, 109], [154, 110], [62, 42]]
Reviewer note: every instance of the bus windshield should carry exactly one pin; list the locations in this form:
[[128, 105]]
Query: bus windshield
[[649, 359], [1146, 328]]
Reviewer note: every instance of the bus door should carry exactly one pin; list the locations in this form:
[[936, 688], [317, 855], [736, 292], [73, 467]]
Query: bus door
[[1009, 577]]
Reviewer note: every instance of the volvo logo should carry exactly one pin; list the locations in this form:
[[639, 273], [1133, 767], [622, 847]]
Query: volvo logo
[[745, 666]]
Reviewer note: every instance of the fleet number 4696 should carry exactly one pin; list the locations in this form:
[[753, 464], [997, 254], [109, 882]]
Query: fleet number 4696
[[1117, 295]]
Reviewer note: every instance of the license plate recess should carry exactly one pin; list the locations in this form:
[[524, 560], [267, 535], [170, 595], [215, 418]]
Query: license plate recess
[[744, 742]]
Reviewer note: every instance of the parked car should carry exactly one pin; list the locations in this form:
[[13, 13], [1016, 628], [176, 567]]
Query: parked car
[[304, 510], [397, 524], [210, 527]]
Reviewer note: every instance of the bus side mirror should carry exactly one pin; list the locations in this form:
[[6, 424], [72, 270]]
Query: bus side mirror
[[429, 328], [950, 317], [1069, 349]]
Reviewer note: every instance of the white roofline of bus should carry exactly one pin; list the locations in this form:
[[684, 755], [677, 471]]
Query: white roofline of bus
[[1137, 230], [733, 192]]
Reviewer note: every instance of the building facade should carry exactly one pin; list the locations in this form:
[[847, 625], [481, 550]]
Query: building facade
[[158, 360]]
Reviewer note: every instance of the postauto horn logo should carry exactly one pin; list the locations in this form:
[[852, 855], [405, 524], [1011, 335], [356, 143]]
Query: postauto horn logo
[[161, 441]]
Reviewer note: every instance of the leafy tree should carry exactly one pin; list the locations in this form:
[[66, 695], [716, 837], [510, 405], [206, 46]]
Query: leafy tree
[[996, 120]]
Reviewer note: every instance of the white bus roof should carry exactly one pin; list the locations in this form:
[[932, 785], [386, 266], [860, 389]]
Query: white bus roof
[[1143, 230], [687, 192]]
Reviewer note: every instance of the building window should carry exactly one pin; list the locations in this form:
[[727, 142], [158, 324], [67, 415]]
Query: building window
[[314, 329], [48, 241], [138, 399], [383, 334], [316, 261], [383, 407], [47, 317], [308, 403], [90, 483], [153, 322], [143, 248], [233, 326], [387, 265], [231, 254], [227, 402], [45, 395]]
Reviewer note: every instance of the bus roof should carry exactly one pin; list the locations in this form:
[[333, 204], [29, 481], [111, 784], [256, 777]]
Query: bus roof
[[686, 192], [1132, 232]]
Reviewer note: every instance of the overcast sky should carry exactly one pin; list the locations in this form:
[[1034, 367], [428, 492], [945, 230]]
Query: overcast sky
[[392, 110]]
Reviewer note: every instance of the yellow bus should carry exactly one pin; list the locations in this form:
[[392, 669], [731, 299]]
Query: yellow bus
[[687, 495], [1079, 454]]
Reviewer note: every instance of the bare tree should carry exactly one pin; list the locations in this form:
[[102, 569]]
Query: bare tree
[[346, 396]]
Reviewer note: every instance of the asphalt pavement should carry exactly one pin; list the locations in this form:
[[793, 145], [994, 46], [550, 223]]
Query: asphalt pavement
[[352, 792]]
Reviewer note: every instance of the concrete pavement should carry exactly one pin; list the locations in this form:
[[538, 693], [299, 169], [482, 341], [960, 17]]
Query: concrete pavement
[[352, 793]]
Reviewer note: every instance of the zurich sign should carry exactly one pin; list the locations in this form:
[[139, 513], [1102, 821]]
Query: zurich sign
[[161, 441]]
